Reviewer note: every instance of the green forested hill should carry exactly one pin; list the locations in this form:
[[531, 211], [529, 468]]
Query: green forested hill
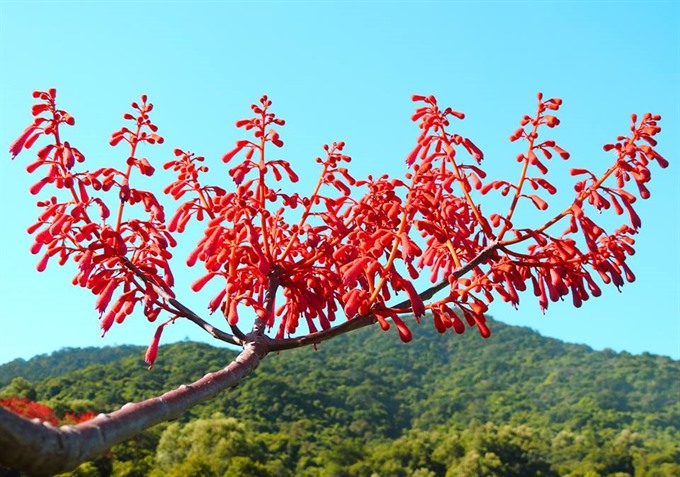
[[366, 404], [63, 361]]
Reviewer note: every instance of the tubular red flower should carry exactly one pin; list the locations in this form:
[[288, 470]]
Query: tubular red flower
[[152, 350]]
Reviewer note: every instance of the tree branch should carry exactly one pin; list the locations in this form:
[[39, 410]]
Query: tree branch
[[270, 296], [38, 448], [457, 273], [210, 329]]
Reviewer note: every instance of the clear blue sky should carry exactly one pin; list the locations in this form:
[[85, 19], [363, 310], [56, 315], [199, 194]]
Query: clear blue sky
[[342, 71]]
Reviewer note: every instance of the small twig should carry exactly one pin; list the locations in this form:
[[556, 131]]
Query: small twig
[[459, 272], [238, 333], [210, 329]]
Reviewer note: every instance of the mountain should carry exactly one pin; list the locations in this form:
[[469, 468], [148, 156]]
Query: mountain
[[360, 398], [62, 361]]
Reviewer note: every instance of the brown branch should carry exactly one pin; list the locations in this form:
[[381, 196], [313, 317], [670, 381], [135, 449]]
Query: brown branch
[[210, 329], [240, 335], [38, 448], [269, 298]]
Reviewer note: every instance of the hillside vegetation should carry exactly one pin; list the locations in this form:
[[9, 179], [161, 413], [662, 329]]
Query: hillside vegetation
[[63, 361], [365, 404]]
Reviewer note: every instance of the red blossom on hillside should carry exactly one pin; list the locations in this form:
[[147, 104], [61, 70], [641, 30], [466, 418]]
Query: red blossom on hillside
[[34, 410], [30, 409]]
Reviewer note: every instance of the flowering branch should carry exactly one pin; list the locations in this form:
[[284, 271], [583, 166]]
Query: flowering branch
[[356, 246]]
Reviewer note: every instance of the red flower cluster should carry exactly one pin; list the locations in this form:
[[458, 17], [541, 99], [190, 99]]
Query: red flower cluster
[[351, 245], [33, 410]]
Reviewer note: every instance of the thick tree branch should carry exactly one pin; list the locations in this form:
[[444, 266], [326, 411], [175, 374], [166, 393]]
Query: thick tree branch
[[39, 449], [260, 323]]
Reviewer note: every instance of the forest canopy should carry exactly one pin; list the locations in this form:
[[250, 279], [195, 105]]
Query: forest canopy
[[521, 404]]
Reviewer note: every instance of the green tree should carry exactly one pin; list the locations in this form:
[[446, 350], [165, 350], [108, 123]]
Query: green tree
[[19, 388], [208, 444]]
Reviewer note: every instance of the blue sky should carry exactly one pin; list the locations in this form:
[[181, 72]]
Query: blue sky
[[343, 71]]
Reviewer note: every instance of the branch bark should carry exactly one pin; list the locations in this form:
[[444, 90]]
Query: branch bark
[[39, 449]]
